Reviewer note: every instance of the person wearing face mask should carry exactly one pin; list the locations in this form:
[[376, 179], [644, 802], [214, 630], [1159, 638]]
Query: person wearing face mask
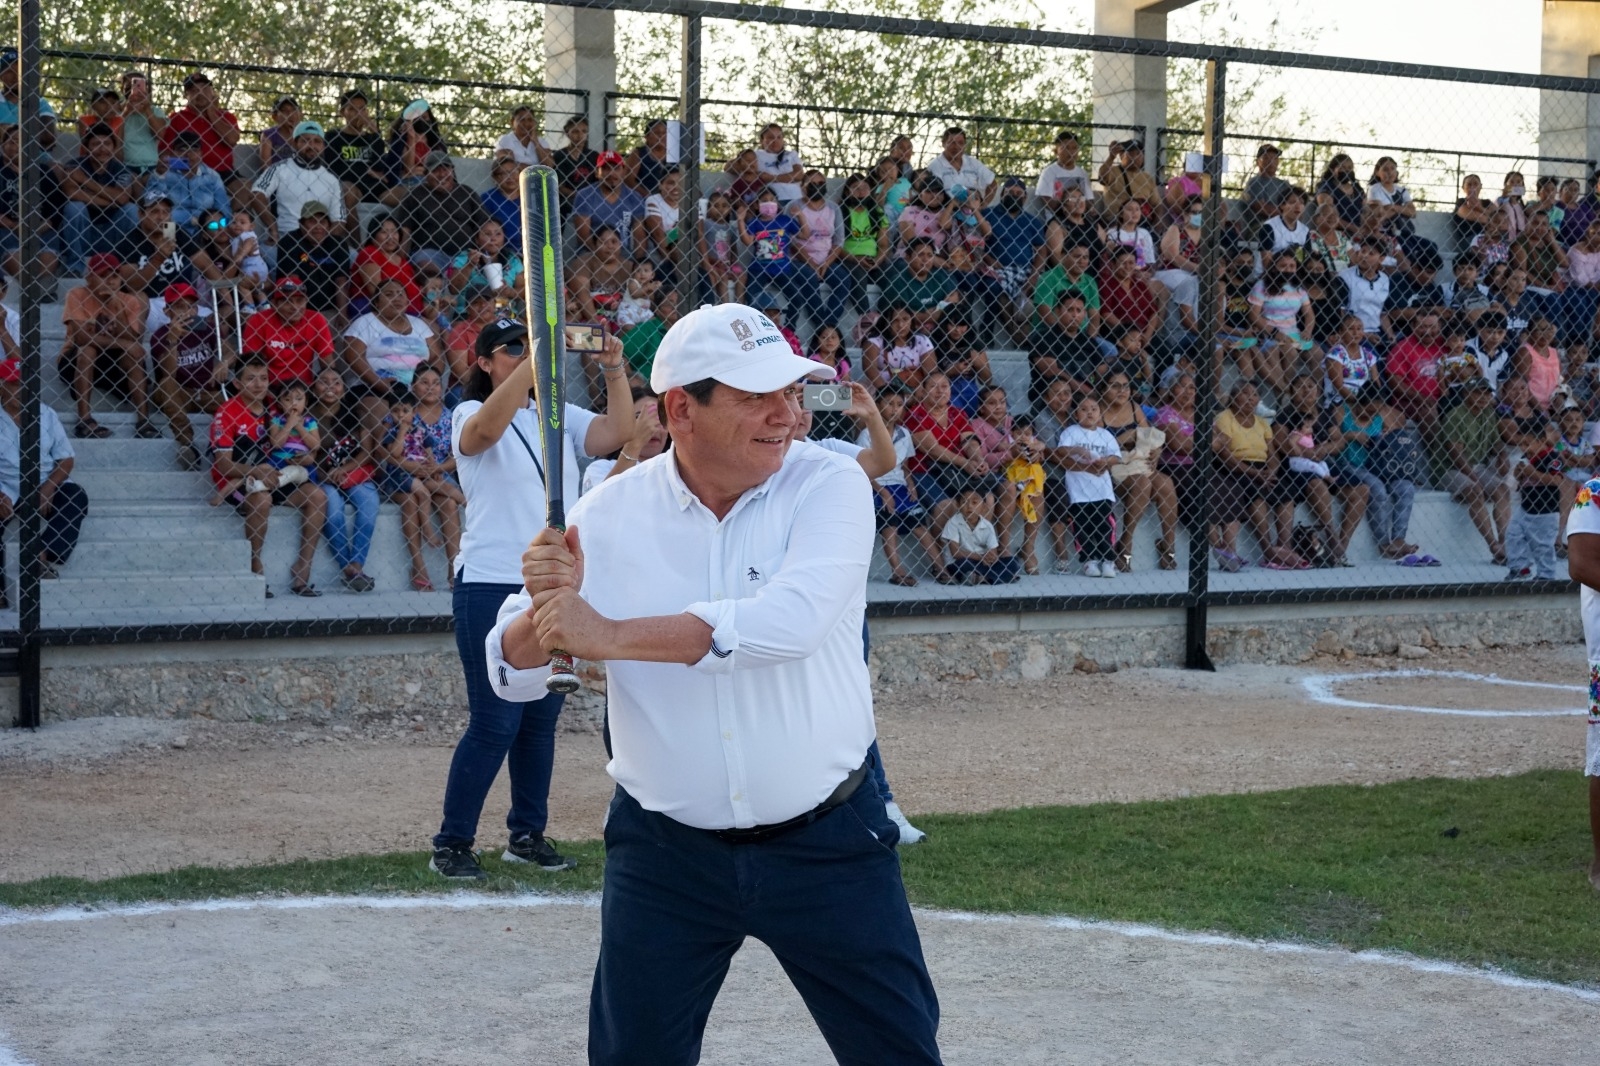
[[1512, 194], [820, 251], [1017, 243], [300, 179], [771, 236], [1339, 189]]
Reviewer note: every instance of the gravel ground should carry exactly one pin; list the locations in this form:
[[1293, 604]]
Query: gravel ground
[[96, 798], [508, 981]]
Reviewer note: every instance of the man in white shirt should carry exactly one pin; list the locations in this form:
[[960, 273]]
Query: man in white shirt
[[779, 165], [1063, 174], [61, 503], [297, 180], [1583, 565], [1368, 287], [955, 167], [740, 711]]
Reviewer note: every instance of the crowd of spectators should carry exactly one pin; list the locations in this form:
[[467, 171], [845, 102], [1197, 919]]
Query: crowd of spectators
[[322, 305]]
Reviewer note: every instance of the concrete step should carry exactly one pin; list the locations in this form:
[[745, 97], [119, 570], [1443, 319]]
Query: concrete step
[[142, 485], [125, 453], [150, 555], [176, 527], [73, 592]]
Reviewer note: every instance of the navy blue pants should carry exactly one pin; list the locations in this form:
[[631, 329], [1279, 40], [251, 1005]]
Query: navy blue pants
[[520, 735], [826, 898]]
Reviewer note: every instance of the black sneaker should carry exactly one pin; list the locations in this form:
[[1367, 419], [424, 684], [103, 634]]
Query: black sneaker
[[537, 850], [457, 864]]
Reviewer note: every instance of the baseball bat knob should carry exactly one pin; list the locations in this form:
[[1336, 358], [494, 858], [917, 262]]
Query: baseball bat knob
[[562, 680]]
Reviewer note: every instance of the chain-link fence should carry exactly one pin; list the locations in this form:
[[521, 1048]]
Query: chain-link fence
[[1141, 323]]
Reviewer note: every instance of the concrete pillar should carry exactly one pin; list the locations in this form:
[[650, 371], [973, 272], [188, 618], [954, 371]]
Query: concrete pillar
[[1569, 123], [1131, 91], [580, 52]]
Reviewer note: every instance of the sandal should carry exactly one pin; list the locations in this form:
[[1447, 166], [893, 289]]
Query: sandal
[[89, 429], [421, 583], [945, 577], [308, 590], [1165, 558], [902, 579]]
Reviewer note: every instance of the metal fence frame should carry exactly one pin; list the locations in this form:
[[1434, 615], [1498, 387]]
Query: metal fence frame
[[31, 636]]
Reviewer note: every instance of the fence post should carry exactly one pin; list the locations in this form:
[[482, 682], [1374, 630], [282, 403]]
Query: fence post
[[689, 166], [31, 211], [1196, 657]]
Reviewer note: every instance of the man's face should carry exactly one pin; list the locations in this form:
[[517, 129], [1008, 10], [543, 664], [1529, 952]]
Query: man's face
[[289, 305], [354, 112], [1077, 261], [1073, 314], [309, 146], [154, 216], [1428, 329], [1268, 164], [610, 177], [200, 95], [103, 286], [955, 144], [101, 149], [1478, 400], [1067, 153], [253, 384], [1538, 225], [442, 178], [316, 227], [745, 434]]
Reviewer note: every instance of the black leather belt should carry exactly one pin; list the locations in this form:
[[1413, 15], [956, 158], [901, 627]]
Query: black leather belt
[[757, 833]]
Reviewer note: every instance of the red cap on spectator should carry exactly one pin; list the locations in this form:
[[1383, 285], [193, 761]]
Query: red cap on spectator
[[104, 263], [11, 371], [607, 159], [180, 290], [289, 283]]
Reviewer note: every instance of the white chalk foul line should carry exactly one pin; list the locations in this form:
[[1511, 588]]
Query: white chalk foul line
[[529, 901], [1320, 687]]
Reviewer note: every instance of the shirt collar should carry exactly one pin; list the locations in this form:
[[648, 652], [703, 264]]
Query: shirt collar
[[685, 498]]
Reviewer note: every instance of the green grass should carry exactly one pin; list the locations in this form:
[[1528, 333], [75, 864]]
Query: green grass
[[1343, 865]]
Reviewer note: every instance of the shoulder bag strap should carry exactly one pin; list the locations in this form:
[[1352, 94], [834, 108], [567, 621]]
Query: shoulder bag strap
[[529, 448]]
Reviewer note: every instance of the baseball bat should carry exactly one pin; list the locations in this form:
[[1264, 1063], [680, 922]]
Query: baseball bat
[[544, 288]]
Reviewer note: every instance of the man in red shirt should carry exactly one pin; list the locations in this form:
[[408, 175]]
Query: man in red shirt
[[218, 129], [240, 446], [290, 338], [1412, 370]]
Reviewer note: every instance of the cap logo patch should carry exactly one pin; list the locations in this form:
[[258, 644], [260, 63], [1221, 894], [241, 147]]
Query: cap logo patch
[[741, 330]]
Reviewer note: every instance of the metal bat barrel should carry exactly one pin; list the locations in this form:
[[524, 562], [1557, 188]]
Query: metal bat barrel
[[544, 287]]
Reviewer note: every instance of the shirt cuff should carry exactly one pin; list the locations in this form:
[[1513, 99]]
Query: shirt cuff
[[511, 684], [724, 636]]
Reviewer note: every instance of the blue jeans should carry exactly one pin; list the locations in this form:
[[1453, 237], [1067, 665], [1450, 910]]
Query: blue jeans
[[520, 735], [84, 238], [827, 898], [1388, 505], [350, 549]]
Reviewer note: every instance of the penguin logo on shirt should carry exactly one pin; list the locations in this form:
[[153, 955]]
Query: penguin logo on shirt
[[753, 574]]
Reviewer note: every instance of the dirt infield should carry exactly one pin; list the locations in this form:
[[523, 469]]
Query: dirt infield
[[506, 980], [501, 984], [113, 796]]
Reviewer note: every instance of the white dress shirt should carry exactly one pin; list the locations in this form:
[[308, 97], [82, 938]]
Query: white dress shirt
[[54, 447], [779, 712]]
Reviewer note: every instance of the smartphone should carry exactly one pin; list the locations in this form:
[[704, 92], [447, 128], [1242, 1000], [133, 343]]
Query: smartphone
[[834, 397], [170, 231], [585, 337]]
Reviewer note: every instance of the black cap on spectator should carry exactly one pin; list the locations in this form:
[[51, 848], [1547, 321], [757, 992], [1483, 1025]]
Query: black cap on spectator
[[186, 139], [8, 56], [476, 291], [351, 94], [196, 78], [102, 92], [500, 331], [1013, 182], [286, 98], [437, 159]]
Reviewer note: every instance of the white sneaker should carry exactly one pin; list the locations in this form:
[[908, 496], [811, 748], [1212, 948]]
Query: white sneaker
[[909, 834], [1108, 568], [1091, 568]]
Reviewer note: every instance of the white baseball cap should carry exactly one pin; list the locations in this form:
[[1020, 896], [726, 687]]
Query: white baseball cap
[[731, 343]]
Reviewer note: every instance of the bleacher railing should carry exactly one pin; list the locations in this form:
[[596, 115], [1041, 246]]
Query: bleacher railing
[[1217, 549]]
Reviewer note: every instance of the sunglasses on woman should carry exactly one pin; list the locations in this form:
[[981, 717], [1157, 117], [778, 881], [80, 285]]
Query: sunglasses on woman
[[217, 223]]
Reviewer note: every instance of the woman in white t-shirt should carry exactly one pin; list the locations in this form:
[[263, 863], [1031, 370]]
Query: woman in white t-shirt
[[650, 438], [662, 209], [523, 142], [501, 466], [1392, 198], [386, 345]]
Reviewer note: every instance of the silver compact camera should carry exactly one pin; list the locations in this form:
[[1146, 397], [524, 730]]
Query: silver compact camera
[[834, 397]]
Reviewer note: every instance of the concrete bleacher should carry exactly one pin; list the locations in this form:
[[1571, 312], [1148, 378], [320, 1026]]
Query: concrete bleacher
[[154, 553]]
